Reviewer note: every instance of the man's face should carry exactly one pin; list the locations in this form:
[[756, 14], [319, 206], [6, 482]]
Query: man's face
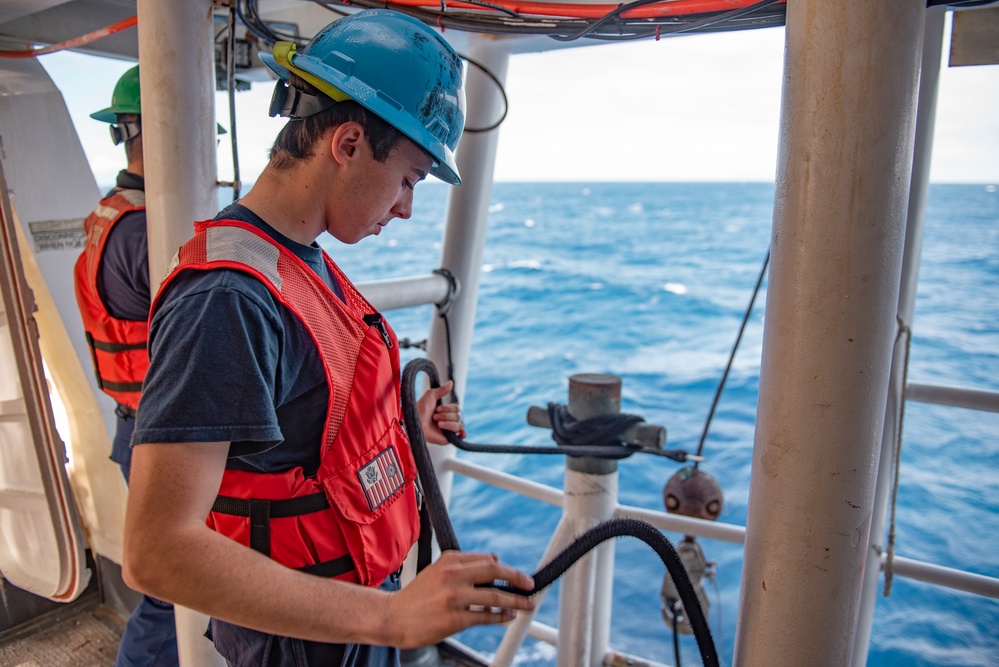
[[374, 193]]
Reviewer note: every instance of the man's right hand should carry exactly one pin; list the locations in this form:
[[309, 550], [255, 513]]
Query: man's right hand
[[443, 599]]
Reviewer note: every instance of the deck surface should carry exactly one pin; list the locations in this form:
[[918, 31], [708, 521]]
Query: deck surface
[[83, 634]]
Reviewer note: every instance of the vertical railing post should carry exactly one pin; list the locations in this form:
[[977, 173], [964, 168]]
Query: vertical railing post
[[584, 600], [926, 109]]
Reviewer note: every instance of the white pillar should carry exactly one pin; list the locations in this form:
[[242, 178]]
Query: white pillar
[[847, 123], [925, 121], [466, 219], [177, 81]]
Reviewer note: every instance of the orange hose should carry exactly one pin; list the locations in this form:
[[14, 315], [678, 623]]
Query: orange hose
[[71, 43], [562, 9]]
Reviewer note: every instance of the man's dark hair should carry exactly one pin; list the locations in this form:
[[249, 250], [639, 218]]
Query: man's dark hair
[[298, 138]]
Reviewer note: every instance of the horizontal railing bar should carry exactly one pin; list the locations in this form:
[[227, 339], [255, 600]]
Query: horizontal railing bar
[[677, 523], [397, 293], [724, 532], [502, 480], [973, 399], [947, 577]]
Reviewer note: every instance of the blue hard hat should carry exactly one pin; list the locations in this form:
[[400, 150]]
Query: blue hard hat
[[394, 66]]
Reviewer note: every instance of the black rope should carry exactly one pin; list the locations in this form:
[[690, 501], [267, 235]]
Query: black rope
[[556, 567]]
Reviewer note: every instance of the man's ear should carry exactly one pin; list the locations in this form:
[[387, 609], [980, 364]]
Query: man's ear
[[346, 142]]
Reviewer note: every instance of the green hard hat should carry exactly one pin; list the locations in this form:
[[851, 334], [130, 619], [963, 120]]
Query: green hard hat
[[124, 99]]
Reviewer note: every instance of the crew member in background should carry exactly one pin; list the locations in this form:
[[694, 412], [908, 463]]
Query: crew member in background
[[272, 403], [112, 291]]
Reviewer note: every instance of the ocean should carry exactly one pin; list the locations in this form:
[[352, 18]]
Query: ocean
[[650, 282]]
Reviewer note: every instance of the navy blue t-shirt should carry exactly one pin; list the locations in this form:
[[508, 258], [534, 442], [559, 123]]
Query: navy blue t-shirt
[[228, 362]]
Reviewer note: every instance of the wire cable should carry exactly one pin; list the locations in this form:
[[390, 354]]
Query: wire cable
[[88, 38], [230, 71], [731, 357]]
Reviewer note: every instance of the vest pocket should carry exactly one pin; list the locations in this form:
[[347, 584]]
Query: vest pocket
[[375, 499]]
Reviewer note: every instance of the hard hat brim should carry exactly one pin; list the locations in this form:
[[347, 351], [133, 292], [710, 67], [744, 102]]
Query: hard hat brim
[[108, 115]]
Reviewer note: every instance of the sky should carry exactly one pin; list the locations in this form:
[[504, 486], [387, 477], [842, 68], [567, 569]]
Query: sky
[[692, 108]]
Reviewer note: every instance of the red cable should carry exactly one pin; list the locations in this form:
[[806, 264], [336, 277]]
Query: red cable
[[76, 41], [562, 9]]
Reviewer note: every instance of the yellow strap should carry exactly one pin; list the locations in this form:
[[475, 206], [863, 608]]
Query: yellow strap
[[284, 53]]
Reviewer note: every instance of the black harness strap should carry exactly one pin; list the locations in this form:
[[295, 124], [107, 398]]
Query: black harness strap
[[260, 513], [104, 346]]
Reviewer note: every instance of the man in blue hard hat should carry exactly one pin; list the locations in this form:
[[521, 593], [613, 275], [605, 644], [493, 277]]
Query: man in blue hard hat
[[271, 405], [112, 289]]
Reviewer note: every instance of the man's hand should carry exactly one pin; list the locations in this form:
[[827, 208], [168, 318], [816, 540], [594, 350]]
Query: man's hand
[[443, 599], [435, 417]]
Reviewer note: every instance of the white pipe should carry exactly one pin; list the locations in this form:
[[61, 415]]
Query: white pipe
[[915, 223], [466, 219], [844, 166], [177, 82], [398, 293], [972, 399], [502, 480], [948, 577], [712, 530], [584, 626]]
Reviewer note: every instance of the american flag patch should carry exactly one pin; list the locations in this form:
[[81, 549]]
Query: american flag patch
[[381, 477]]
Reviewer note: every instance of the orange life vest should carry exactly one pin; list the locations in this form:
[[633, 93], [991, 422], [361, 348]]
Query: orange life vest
[[117, 347], [357, 518]]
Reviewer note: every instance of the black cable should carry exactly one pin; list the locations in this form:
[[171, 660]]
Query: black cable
[[502, 90], [558, 27], [557, 566], [231, 85], [731, 356], [671, 604], [707, 21]]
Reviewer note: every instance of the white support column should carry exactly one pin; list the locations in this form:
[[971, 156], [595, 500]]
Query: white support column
[[467, 216], [926, 111], [847, 124], [177, 80]]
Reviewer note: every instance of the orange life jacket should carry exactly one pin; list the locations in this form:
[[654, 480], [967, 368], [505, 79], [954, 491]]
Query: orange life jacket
[[117, 347], [357, 518]]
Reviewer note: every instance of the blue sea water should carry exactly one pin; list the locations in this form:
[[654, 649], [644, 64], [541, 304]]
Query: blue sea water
[[650, 282]]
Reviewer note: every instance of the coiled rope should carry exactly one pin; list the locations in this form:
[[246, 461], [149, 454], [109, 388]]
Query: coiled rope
[[435, 514]]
